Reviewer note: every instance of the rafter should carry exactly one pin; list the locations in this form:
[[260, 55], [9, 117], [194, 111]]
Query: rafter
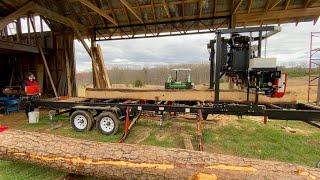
[[249, 6], [200, 8], [267, 5], [287, 5], [16, 14], [274, 4], [236, 7], [166, 8], [308, 3], [125, 3], [98, 10]]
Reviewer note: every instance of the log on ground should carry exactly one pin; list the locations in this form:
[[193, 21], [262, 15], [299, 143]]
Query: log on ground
[[182, 95], [129, 161]]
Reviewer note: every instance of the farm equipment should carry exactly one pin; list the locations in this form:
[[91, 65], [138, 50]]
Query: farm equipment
[[174, 80], [238, 58]]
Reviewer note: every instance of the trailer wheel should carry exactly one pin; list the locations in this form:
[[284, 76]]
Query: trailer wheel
[[81, 120], [108, 123]]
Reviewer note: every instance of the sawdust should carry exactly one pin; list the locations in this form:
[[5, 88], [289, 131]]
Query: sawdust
[[233, 168], [288, 129], [77, 160]]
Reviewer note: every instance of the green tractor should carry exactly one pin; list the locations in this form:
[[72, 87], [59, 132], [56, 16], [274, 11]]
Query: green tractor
[[176, 82]]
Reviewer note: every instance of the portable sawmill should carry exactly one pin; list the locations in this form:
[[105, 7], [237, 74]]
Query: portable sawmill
[[239, 58]]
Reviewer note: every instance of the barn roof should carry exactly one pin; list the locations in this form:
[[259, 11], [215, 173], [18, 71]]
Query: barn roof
[[141, 18]]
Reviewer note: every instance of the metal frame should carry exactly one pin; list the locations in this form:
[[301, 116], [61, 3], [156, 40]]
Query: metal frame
[[215, 69], [314, 62], [185, 30], [300, 112]]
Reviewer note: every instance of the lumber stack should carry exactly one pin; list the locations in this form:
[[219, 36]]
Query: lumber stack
[[100, 74], [180, 95], [129, 161]]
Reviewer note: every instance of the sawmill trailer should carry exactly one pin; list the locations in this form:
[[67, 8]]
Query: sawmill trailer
[[106, 114], [235, 56]]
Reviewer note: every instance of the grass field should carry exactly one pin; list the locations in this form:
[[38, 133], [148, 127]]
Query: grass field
[[247, 137]]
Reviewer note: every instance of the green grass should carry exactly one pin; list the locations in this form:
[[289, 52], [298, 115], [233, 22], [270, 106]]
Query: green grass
[[245, 138], [255, 140], [21, 171]]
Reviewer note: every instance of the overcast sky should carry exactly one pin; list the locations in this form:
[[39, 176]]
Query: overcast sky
[[290, 45]]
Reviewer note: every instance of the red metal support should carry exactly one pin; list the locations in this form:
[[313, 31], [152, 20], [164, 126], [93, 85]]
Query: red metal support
[[199, 130], [3, 128], [127, 124], [265, 119]]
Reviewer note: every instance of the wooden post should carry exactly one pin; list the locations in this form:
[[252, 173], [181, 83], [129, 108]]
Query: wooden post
[[68, 74], [318, 93], [44, 61]]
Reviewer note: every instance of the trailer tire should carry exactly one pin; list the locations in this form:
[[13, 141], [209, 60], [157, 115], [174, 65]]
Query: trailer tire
[[108, 123], [81, 120]]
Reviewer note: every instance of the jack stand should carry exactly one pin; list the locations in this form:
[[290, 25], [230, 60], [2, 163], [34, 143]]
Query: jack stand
[[128, 124], [52, 114], [265, 119], [161, 121], [199, 130]]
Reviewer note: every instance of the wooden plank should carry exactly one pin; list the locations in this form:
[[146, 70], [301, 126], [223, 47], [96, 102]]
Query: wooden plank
[[69, 85], [180, 95], [45, 61], [103, 67]]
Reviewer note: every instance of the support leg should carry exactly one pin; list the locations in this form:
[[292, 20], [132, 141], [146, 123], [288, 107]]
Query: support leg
[[127, 124], [265, 119], [199, 130]]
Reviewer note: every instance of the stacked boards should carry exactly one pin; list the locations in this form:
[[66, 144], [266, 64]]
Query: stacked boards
[[181, 95]]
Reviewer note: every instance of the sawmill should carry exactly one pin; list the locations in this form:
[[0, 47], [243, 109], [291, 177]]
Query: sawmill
[[38, 71]]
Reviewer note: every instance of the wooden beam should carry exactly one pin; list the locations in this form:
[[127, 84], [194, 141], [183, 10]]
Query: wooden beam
[[267, 5], [308, 3], [274, 4], [249, 6], [99, 11], [125, 3], [44, 59], [166, 8], [11, 46], [236, 7], [200, 8], [16, 14], [287, 5], [270, 15], [315, 20], [56, 17]]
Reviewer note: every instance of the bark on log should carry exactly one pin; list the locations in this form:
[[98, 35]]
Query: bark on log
[[128, 161], [182, 95]]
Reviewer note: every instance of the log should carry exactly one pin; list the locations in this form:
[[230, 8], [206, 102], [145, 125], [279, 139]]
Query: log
[[129, 161], [182, 95]]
